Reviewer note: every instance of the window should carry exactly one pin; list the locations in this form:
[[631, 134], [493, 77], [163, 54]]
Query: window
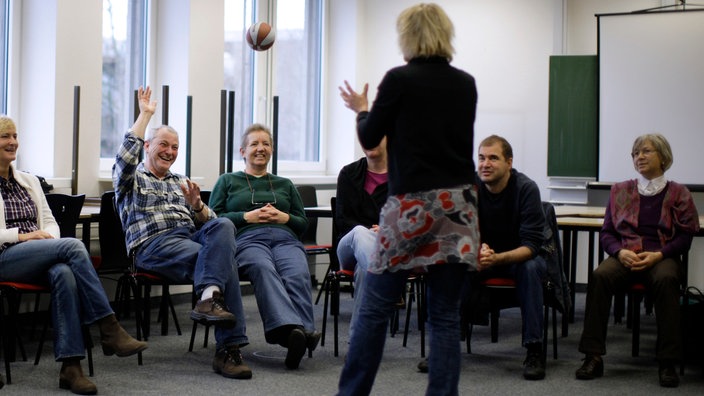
[[291, 70], [238, 65], [124, 68]]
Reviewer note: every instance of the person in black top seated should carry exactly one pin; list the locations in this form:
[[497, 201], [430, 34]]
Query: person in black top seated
[[362, 189]]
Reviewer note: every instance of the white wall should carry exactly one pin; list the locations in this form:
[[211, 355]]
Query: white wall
[[505, 44], [59, 47]]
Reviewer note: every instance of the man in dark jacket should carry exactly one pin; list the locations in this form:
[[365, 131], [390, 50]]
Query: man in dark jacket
[[512, 226], [361, 192]]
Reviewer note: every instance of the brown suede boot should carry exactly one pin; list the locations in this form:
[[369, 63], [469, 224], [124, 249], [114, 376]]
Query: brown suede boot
[[71, 377], [115, 339]]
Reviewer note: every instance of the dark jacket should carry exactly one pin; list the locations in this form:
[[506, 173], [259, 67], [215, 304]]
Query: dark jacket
[[426, 108], [353, 205]]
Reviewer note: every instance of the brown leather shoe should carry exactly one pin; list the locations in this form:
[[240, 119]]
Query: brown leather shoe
[[668, 376], [229, 363], [115, 340], [592, 367], [213, 311], [71, 377]]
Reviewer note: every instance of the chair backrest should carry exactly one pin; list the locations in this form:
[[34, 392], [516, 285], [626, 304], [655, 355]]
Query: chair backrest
[[552, 251], [309, 198], [335, 237], [205, 196], [113, 250], [66, 210]]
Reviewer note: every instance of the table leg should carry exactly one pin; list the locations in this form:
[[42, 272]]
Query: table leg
[[85, 237], [573, 272]]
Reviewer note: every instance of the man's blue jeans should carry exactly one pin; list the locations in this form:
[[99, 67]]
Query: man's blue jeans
[[354, 252], [443, 284], [529, 276], [77, 295], [205, 257]]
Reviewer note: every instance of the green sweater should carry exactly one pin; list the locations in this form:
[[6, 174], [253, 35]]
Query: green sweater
[[232, 197]]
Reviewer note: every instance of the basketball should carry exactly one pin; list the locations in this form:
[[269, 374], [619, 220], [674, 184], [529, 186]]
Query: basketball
[[260, 36]]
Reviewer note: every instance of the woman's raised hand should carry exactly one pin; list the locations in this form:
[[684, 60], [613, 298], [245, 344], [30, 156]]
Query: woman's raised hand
[[353, 100]]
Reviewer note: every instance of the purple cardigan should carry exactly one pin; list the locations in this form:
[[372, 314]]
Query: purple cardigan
[[676, 227]]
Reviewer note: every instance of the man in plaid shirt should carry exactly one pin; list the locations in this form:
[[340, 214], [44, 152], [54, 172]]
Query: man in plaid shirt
[[170, 231]]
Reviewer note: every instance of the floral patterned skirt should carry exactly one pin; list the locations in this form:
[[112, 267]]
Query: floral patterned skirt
[[427, 228]]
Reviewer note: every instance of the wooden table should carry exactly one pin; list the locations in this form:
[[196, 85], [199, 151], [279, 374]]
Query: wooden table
[[571, 226], [318, 211], [579, 211], [90, 213]]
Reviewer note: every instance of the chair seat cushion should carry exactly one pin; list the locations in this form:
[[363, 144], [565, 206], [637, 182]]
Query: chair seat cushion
[[499, 282], [25, 287]]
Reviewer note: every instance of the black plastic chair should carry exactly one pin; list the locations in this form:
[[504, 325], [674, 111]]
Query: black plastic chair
[[501, 291], [309, 197]]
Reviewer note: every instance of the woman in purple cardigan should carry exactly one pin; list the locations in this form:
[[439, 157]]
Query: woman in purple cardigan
[[648, 225]]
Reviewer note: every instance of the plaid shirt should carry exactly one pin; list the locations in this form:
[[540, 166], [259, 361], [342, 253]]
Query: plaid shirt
[[20, 210], [148, 205]]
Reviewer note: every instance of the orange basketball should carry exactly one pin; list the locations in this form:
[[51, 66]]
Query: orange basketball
[[260, 36]]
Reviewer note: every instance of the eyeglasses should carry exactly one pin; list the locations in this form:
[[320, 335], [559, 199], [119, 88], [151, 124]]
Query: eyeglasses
[[645, 152], [261, 201], [265, 201]]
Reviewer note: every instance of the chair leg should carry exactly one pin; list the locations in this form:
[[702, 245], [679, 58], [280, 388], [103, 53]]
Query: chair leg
[[421, 304], [544, 352], [193, 336], [5, 338], [173, 310], [88, 341], [334, 284], [37, 299], [554, 333], [328, 287], [13, 305], [41, 339], [494, 325], [619, 304], [136, 291], [409, 308], [324, 284], [635, 322]]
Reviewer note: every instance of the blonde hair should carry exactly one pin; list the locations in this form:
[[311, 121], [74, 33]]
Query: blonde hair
[[425, 30], [7, 123]]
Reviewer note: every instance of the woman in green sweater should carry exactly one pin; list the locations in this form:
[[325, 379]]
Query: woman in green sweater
[[268, 214]]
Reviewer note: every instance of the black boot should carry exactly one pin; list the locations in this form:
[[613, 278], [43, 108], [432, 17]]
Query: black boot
[[534, 365]]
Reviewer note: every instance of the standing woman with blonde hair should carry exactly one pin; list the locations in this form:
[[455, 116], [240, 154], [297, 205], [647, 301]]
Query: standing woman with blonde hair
[[426, 110]]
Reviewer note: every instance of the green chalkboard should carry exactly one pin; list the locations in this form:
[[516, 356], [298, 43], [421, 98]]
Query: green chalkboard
[[572, 116]]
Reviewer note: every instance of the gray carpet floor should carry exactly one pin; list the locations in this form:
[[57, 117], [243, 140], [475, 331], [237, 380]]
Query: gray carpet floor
[[492, 368]]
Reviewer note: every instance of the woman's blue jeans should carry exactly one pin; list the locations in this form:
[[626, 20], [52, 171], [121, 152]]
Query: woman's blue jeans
[[275, 262], [443, 285], [355, 253], [77, 295]]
